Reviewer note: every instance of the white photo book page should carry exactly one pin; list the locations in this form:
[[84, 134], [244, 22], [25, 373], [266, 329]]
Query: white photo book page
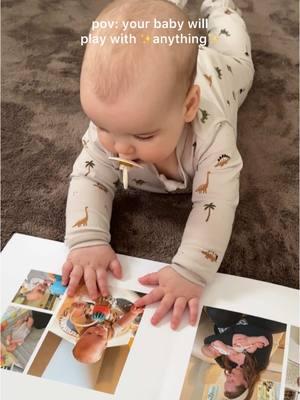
[[156, 364]]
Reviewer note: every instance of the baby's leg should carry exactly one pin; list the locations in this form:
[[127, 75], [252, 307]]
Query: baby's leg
[[179, 3], [12, 347], [8, 340], [227, 34], [14, 344]]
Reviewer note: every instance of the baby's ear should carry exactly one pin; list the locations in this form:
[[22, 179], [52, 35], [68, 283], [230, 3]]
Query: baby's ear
[[191, 103]]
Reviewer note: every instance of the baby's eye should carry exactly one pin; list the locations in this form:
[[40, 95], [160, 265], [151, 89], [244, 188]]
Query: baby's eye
[[102, 130], [144, 137]]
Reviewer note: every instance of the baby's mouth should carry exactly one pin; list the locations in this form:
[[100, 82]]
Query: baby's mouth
[[124, 165], [136, 160], [126, 162]]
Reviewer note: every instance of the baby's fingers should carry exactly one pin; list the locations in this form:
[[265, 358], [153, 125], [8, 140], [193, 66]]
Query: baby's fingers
[[152, 297], [149, 279], [66, 270], [102, 282], [116, 268], [90, 281], [164, 306], [193, 306], [75, 277], [178, 311]]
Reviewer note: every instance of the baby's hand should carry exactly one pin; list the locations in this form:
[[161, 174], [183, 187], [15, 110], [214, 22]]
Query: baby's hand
[[92, 264], [136, 310], [175, 292]]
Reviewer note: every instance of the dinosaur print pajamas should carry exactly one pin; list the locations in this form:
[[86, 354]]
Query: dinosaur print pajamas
[[208, 158]]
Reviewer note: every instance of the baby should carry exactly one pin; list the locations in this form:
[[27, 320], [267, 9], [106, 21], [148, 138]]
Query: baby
[[93, 340], [173, 110], [20, 330]]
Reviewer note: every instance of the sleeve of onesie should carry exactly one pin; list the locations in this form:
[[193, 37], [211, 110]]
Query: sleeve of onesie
[[215, 198], [90, 197]]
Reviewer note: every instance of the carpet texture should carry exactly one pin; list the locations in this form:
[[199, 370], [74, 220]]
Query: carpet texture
[[42, 123]]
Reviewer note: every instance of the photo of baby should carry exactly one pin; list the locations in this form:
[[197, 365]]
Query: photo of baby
[[90, 337], [292, 382], [41, 290], [21, 330], [235, 356], [90, 325]]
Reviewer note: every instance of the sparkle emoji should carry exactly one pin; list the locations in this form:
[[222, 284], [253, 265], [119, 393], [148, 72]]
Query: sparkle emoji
[[146, 39], [213, 38]]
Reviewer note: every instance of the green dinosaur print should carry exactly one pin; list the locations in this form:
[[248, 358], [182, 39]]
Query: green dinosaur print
[[219, 72], [204, 116], [89, 165], [101, 187], [224, 32], [209, 207], [139, 181], [229, 68], [223, 160]]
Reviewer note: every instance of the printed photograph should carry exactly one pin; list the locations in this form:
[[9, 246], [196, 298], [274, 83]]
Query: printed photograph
[[21, 330], [235, 356], [41, 290], [92, 339], [292, 383]]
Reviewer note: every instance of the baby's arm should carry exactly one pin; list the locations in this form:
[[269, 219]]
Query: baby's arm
[[20, 322], [88, 213], [207, 232], [29, 322], [249, 343], [130, 316], [209, 351], [223, 348], [215, 198]]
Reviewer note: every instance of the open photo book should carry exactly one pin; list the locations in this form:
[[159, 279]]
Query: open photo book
[[245, 344]]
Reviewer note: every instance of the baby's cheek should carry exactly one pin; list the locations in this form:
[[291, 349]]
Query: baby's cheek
[[106, 142]]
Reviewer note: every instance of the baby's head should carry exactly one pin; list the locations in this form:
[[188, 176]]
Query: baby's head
[[91, 344], [140, 95], [235, 384], [37, 293]]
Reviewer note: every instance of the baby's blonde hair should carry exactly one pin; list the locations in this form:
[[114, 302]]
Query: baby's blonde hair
[[112, 69]]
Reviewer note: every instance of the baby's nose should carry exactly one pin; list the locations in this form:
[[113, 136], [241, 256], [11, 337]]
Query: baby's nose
[[124, 148]]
